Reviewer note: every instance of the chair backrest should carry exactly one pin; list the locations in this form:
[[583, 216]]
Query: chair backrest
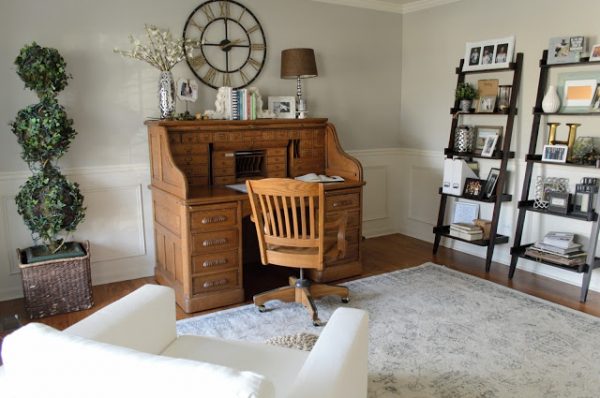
[[289, 216]]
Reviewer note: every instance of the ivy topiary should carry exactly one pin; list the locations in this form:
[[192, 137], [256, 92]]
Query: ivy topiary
[[42, 69], [44, 131], [49, 204]]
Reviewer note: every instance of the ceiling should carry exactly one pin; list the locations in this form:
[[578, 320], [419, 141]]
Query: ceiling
[[395, 6]]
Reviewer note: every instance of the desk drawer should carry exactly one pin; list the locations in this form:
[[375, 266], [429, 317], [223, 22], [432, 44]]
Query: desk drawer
[[353, 218], [342, 202], [214, 282], [212, 262], [276, 168], [203, 242], [209, 218]]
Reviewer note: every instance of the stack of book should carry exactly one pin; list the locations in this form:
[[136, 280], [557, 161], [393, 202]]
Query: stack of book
[[559, 248], [466, 231], [240, 104]]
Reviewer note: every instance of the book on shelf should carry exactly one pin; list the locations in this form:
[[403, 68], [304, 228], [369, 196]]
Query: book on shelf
[[568, 260], [575, 247], [465, 227], [563, 240], [470, 236]]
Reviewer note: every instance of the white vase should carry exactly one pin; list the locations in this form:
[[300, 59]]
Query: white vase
[[551, 101]]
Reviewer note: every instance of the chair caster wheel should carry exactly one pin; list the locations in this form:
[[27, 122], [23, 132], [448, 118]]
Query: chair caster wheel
[[317, 323], [262, 308], [345, 300]]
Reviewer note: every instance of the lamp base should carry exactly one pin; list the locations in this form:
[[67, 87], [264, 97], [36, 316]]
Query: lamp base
[[302, 112]]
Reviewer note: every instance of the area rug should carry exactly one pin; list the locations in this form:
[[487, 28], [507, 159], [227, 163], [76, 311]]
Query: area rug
[[435, 332]]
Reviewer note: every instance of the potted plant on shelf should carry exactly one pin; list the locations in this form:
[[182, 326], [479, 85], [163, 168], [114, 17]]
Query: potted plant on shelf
[[465, 93], [56, 274]]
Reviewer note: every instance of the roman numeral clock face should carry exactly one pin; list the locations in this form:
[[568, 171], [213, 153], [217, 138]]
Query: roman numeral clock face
[[232, 47]]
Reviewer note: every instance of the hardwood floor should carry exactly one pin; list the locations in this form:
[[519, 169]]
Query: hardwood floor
[[382, 254]]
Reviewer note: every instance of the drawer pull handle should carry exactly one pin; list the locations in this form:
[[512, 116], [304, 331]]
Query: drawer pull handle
[[214, 242], [214, 219], [342, 203], [218, 282], [212, 263]]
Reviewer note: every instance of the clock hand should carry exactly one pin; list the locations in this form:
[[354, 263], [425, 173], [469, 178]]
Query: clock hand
[[231, 44]]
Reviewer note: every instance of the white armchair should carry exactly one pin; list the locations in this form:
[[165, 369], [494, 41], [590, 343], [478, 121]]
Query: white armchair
[[130, 349]]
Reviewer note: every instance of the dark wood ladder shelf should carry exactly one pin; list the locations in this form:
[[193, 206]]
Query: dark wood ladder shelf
[[526, 204], [502, 154]]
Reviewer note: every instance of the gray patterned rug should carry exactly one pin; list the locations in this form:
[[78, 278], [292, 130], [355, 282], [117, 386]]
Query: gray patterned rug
[[435, 332]]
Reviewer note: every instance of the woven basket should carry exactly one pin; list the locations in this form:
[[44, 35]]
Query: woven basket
[[57, 286]]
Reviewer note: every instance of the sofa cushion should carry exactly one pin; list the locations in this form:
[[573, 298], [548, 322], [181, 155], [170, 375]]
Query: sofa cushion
[[280, 365], [40, 361]]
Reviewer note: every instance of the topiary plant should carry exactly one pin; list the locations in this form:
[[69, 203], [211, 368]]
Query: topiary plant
[[465, 91], [48, 202]]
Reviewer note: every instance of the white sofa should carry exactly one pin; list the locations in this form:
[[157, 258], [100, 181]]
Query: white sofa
[[130, 349]]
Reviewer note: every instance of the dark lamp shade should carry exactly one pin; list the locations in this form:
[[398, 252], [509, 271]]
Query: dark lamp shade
[[298, 62]]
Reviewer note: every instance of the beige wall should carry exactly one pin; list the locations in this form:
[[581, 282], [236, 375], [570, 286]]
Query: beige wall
[[433, 42], [109, 97]]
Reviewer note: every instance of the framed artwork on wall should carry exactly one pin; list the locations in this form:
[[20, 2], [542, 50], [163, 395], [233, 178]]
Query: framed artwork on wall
[[489, 54]]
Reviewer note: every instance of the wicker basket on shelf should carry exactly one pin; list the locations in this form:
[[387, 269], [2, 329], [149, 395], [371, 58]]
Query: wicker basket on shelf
[[57, 286]]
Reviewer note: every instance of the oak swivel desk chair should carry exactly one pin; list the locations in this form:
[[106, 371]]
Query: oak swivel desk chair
[[289, 216]]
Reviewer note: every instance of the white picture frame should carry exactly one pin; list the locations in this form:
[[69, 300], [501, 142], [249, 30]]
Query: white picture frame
[[482, 132], [465, 212], [595, 53], [486, 104], [555, 153], [283, 107], [579, 92], [489, 54], [187, 90], [489, 146]]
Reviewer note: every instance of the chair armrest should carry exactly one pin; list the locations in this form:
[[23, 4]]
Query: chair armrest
[[144, 320], [339, 223], [337, 365]]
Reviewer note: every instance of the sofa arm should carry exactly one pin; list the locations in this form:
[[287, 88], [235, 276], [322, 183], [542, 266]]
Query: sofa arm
[[337, 365], [144, 320]]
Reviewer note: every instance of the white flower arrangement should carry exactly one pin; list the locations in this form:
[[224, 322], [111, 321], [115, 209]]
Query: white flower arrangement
[[162, 51]]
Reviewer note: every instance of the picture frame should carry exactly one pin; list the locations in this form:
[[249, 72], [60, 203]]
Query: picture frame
[[283, 107], [555, 153], [596, 100], [465, 212], [565, 49], [559, 202], [473, 189], [489, 54], [491, 181], [187, 90], [579, 92], [482, 132], [489, 146], [486, 104], [595, 53]]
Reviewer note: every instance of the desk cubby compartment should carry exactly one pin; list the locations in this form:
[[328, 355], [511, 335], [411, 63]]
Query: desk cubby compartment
[[526, 203], [502, 155]]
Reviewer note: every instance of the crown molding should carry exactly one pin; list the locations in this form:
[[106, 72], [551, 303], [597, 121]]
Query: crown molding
[[386, 6]]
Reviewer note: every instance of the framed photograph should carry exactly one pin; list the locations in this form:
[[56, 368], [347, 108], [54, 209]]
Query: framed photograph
[[596, 100], [489, 146], [595, 53], [473, 188], [283, 107], [489, 54], [559, 202], [565, 49], [187, 90], [579, 92], [490, 182], [483, 132], [465, 212], [555, 153], [486, 104]]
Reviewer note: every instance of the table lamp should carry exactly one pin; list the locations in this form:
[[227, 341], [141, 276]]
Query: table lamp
[[298, 63]]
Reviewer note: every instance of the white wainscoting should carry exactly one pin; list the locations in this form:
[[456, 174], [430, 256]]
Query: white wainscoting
[[400, 196], [118, 224]]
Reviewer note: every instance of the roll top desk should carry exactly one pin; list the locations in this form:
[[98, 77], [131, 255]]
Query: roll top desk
[[198, 220]]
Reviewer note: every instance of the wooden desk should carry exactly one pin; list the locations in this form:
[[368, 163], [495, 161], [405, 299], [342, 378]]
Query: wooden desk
[[198, 221]]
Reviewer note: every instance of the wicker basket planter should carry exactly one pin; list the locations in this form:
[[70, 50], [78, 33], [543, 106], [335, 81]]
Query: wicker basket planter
[[57, 286]]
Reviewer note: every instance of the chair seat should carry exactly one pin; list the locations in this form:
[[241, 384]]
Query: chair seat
[[280, 365], [329, 247]]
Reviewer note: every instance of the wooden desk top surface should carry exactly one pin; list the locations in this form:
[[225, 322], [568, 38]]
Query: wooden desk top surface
[[219, 194]]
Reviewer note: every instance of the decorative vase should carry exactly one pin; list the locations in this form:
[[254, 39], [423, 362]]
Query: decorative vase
[[463, 139], [166, 95], [465, 105], [551, 101]]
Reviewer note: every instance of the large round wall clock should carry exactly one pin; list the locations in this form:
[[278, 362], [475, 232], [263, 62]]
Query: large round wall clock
[[232, 48]]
